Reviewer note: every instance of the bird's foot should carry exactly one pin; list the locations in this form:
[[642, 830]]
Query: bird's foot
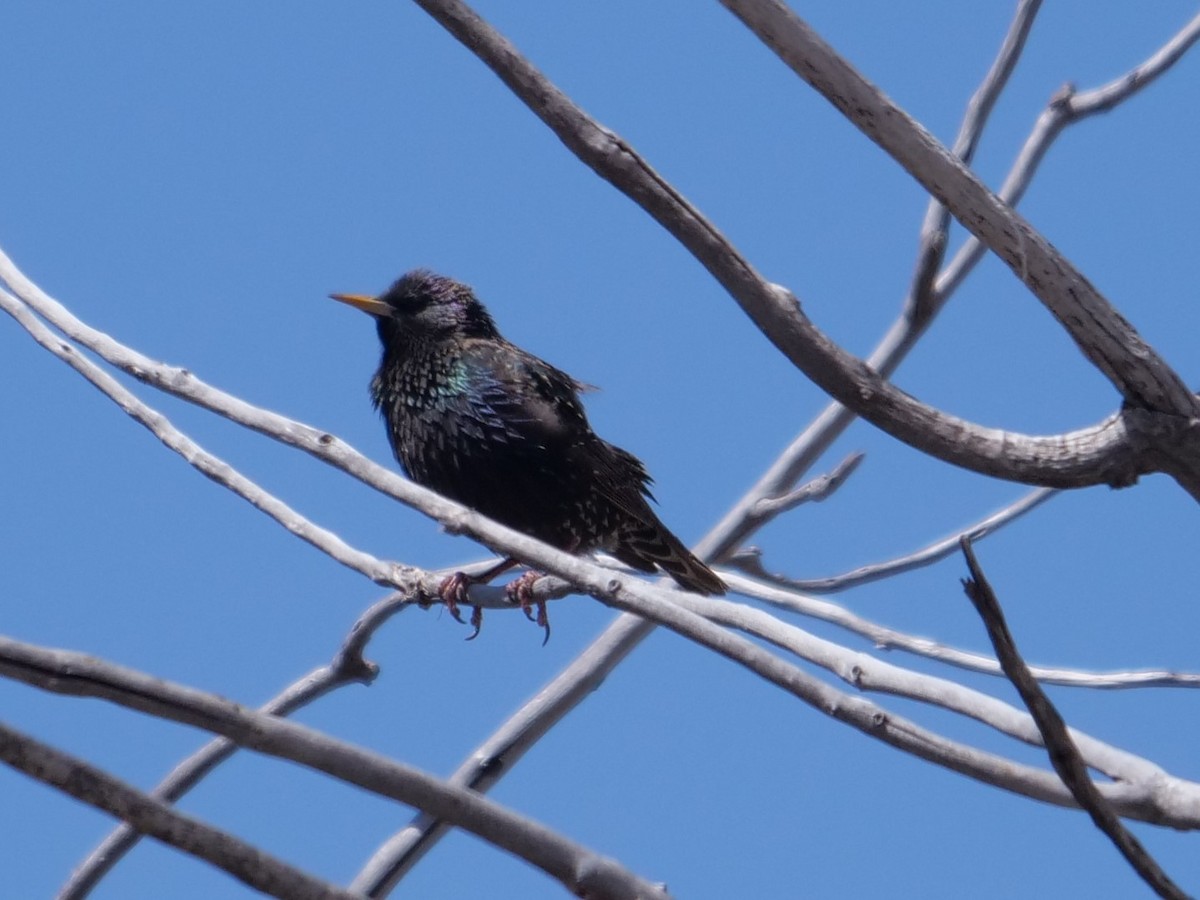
[[520, 591], [476, 622], [453, 592]]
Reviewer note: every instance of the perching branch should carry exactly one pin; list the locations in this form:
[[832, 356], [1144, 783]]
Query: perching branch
[[419, 585]]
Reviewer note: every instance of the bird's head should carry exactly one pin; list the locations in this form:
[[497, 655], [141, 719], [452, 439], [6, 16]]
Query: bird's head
[[423, 305]]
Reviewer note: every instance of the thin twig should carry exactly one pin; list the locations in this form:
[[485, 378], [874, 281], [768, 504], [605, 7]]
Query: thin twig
[[97, 788], [1067, 107], [750, 560], [1064, 755], [919, 305], [1104, 98], [815, 491], [206, 463]]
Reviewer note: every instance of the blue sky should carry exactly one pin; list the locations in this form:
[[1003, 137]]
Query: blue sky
[[195, 179]]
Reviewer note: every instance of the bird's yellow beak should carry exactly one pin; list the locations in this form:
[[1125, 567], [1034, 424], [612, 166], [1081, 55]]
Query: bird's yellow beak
[[369, 305]]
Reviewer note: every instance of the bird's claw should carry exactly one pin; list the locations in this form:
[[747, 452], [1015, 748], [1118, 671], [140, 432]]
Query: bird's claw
[[476, 622], [453, 591], [520, 591]]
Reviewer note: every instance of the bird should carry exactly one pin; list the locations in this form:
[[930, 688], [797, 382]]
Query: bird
[[482, 421]]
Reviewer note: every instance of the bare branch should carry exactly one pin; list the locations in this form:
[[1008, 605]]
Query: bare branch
[[579, 869], [1098, 329], [1066, 108], [1103, 99], [1160, 799], [1064, 755], [1101, 454], [919, 305], [902, 336], [97, 788], [349, 666]]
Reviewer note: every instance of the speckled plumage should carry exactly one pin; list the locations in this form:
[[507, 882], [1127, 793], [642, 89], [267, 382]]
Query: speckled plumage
[[480, 420]]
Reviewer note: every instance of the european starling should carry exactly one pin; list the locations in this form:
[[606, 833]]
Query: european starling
[[479, 420]]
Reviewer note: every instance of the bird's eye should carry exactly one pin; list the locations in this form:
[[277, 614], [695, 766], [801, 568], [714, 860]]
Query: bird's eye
[[414, 304]]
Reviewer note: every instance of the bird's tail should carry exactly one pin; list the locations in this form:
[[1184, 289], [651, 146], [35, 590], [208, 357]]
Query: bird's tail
[[652, 545]]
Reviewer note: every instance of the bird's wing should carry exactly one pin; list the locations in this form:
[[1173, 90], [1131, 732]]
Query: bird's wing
[[535, 401], [541, 403], [538, 406]]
